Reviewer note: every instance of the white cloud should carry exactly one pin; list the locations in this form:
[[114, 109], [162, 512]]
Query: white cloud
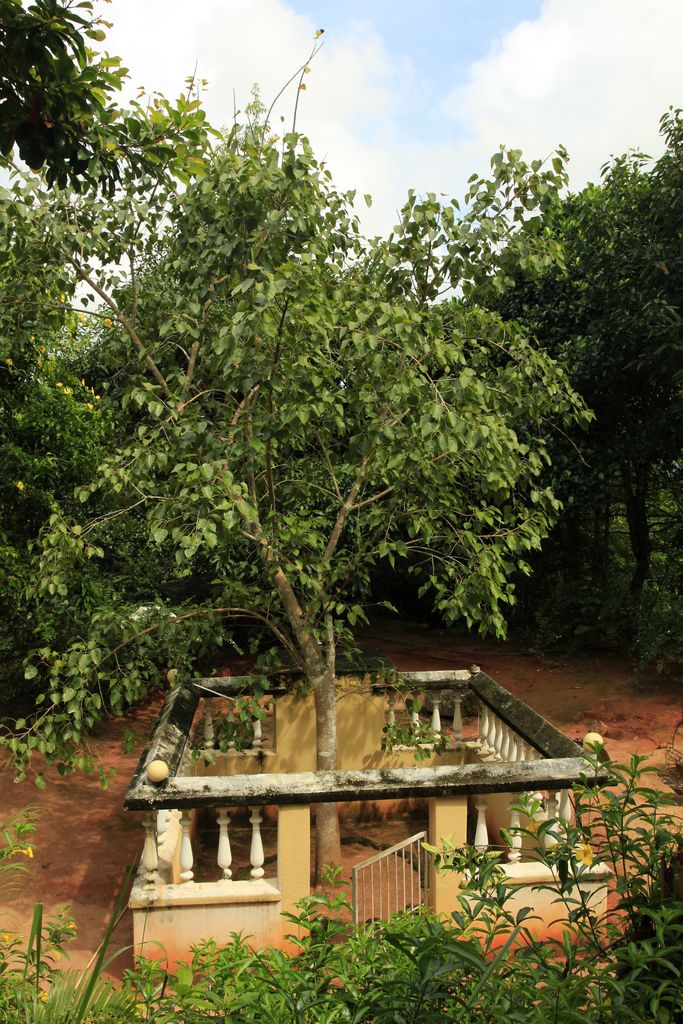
[[594, 75]]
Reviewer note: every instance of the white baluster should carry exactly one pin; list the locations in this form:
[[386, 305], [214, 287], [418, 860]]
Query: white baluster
[[498, 741], [491, 732], [457, 717], [231, 728], [515, 851], [150, 854], [186, 856], [415, 713], [506, 746], [483, 729], [481, 833], [224, 852], [550, 838], [208, 727], [257, 741], [565, 806], [391, 713], [256, 855], [436, 713], [162, 821]]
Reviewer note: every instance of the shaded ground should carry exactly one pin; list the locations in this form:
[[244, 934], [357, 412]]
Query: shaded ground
[[85, 840]]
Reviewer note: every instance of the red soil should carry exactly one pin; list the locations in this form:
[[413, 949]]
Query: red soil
[[85, 840]]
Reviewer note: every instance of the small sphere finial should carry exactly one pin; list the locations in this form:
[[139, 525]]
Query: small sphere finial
[[591, 740], [157, 771]]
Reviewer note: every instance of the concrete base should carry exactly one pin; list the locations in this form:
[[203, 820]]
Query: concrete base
[[169, 919], [536, 885]]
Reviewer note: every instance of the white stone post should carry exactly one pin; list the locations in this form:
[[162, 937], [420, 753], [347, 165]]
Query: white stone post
[[481, 834], [224, 852], [256, 855], [457, 717], [186, 855], [150, 853], [515, 851], [507, 744]]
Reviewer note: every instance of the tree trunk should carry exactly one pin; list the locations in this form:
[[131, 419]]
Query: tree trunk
[[327, 842], [636, 481]]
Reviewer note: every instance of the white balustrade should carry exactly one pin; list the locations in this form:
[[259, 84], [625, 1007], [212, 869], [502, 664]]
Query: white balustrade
[[481, 833], [186, 855], [224, 852], [150, 852], [508, 743], [436, 713], [457, 717], [515, 851], [256, 854]]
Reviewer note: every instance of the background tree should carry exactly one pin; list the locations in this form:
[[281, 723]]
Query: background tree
[[57, 108], [612, 316]]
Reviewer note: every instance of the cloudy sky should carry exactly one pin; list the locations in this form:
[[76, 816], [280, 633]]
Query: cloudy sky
[[419, 93]]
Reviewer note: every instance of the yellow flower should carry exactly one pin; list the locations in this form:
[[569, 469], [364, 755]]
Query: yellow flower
[[97, 398], [26, 851], [59, 384], [42, 349], [68, 391], [20, 485], [62, 297], [43, 996], [107, 321], [70, 926], [32, 338], [9, 362], [89, 405], [584, 854], [6, 937], [81, 317]]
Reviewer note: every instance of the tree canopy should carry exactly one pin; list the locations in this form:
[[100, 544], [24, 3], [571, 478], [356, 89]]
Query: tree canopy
[[300, 409]]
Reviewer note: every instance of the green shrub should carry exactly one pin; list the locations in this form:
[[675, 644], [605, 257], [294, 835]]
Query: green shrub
[[416, 969]]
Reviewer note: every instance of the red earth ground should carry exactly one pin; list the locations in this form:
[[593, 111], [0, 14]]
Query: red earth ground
[[84, 839]]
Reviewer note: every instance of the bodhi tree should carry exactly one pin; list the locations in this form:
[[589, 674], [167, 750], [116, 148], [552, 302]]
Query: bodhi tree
[[303, 407]]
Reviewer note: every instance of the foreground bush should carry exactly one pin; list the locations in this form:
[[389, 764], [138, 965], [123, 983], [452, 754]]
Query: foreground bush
[[489, 968]]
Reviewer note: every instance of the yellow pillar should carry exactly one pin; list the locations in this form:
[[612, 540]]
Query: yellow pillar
[[447, 817], [293, 857]]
